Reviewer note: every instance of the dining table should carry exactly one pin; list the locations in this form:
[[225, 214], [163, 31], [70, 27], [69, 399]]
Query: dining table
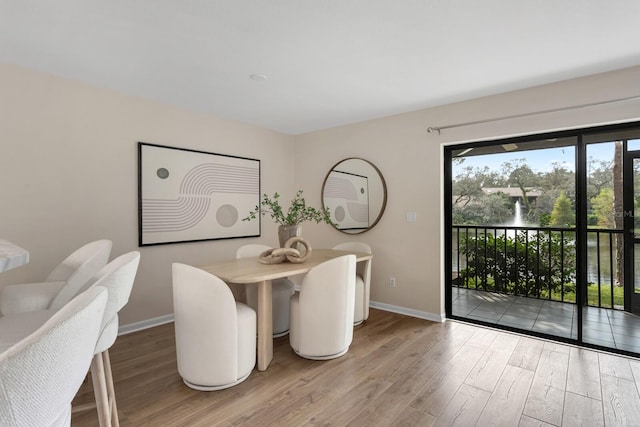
[[12, 255], [250, 271]]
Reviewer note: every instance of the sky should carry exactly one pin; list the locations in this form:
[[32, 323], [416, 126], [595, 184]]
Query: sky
[[538, 160]]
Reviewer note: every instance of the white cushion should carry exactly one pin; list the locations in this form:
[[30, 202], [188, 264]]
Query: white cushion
[[28, 296]]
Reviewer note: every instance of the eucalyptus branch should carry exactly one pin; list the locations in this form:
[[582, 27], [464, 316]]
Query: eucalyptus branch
[[297, 213]]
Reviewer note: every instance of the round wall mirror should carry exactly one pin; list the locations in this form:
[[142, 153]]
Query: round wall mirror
[[355, 193]]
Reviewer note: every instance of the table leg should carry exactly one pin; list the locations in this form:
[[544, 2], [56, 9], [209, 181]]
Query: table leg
[[265, 325]]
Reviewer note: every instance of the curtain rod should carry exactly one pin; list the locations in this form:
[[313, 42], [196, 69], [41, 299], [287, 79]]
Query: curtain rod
[[432, 129]]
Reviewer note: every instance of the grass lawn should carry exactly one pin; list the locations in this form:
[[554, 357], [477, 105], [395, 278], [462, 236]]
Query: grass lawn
[[570, 295], [592, 295]]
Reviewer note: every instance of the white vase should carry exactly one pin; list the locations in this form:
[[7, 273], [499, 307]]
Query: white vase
[[285, 232]]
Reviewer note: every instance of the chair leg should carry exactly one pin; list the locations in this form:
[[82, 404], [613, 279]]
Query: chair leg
[[103, 391], [113, 409], [100, 390]]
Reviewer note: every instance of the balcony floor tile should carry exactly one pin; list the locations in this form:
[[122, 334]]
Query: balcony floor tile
[[604, 327]]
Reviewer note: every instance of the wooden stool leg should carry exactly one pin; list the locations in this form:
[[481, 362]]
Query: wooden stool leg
[[103, 391], [113, 409], [100, 390]]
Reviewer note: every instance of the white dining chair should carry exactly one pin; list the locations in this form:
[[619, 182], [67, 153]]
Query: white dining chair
[[322, 312], [363, 280], [215, 335], [41, 373], [117, 277], [281, 291], [61, 285]]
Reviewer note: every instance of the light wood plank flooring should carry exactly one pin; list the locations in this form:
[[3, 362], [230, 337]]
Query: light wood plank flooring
[[399, 371]]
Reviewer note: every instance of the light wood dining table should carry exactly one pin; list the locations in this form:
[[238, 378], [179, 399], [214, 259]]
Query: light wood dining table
[[252, 271]]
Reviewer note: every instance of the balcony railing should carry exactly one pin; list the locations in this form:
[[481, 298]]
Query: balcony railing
[[537, 262]]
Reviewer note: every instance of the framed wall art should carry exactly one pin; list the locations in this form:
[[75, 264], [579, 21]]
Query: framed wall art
[[187, 195]]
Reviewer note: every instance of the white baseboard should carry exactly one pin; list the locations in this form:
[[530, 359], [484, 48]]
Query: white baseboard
[[145, 324], [168, 318], [408, 311]]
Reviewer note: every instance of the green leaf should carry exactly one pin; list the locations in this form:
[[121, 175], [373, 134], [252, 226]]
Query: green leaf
[[297, 213]]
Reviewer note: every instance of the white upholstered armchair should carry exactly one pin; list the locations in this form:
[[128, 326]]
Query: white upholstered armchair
[[215, 335], [322, 312]]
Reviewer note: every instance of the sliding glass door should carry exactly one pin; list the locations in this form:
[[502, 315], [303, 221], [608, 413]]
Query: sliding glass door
[[542, 236], [610, 313], [632, 229]]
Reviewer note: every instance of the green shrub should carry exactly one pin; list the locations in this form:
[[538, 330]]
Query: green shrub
[[525, 264]]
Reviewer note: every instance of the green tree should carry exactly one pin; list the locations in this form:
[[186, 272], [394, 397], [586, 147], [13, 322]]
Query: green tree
[[600, 176], [522, 176], [495, 208], [603, 208], [558, 179], [562, 214], [544, 206], [519, 174], [467, 185]]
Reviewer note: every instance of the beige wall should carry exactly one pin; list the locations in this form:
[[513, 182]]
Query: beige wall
[[411, 161], [68, 174], [68, 170]]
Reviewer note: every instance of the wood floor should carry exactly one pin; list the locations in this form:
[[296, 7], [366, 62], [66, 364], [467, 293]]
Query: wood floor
[[399, 371]]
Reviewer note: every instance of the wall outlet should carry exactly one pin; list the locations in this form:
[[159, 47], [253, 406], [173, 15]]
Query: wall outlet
[[392, 282]]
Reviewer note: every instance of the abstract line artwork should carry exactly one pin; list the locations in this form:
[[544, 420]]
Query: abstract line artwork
[[347, 197], [187, 195]]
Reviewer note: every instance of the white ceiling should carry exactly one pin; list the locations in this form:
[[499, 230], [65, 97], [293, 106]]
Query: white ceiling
[[327, 62]]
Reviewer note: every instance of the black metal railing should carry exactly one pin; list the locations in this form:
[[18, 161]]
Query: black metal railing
[[604, 268], [537, 262]]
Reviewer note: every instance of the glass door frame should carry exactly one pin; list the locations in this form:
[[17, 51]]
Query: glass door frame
[[631, 298], [581, 228]]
